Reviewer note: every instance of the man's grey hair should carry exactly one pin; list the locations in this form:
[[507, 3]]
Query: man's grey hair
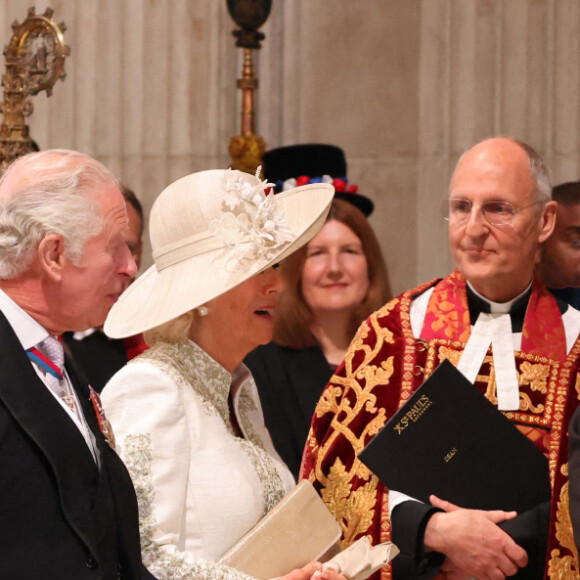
[[539, 172], [50, 192]]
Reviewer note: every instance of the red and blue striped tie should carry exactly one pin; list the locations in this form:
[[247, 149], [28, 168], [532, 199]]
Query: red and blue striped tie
[[51, 362]]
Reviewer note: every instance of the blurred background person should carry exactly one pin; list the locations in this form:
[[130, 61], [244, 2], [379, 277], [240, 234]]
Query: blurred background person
[[559, 266], [332, 285], [186, 413], [98, 356], [135, 225]]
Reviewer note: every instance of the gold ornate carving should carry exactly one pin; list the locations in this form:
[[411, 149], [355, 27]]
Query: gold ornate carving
[[354, 511], [536, 375], [337, 489], [564, 566], [34, 62], [527, 405], [328, 402], [376, 375], [449, 354]]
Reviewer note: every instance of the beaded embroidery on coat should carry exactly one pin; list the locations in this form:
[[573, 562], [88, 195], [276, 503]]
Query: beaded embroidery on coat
[[191, 367]]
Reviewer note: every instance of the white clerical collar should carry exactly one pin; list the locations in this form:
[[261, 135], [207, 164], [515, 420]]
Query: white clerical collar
[[495, 329], [499, 307]]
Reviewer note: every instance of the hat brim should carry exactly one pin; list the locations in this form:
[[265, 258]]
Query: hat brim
[[360, 201], [158, 297]]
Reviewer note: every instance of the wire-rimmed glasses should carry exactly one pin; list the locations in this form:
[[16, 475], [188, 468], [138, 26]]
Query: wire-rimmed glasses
[[495, 212]]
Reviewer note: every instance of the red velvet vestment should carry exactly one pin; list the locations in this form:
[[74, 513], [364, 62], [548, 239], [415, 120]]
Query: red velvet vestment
[[386, 363]]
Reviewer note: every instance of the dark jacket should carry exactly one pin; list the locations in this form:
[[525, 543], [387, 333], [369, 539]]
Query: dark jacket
[[60, 515]]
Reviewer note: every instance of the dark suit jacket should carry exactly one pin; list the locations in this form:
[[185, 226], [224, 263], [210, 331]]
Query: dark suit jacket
[[60, 516]]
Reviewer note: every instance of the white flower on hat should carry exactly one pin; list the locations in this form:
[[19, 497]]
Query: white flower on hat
[[254, 227]]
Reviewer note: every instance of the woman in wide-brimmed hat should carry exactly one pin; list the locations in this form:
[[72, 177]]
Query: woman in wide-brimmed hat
[[186, 413]]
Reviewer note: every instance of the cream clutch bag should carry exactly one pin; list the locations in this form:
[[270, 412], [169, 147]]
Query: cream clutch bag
[[298, 530]]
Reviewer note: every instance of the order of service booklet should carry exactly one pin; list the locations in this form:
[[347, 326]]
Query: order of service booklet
[[298, 530], [449, 440]]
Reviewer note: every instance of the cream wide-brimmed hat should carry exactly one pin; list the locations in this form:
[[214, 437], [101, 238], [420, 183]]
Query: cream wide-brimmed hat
[[211, 231]]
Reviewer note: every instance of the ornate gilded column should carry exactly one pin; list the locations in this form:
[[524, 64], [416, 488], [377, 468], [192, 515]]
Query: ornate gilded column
[[34, 62], [247, 149]]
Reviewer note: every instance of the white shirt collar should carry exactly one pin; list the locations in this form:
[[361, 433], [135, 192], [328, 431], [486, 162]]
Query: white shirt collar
[[81, 334], [499, 307], [28, 331]]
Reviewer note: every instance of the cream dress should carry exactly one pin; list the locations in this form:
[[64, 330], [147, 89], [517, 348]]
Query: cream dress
[[200, 488]]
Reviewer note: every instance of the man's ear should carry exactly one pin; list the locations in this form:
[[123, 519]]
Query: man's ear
[[51, 257], [548, 221]]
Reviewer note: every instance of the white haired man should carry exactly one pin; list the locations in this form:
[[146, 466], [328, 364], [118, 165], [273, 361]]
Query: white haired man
[[513, 340], [67, 504], [98, 356]]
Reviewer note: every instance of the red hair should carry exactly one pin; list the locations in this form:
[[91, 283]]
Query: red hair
[[294, 316]]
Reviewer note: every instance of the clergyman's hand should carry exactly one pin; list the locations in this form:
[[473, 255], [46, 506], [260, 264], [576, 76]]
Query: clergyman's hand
[[473, 544]]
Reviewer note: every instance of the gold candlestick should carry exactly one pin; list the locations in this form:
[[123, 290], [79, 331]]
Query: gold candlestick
[[248, 148]]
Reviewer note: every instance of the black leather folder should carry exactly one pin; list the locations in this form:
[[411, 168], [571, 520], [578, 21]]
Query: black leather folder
[[449, 440]]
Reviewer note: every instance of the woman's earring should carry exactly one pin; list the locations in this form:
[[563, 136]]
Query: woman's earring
[[202, 310]]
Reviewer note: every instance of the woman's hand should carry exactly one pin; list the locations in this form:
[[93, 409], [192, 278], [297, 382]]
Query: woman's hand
[[304, 573], [312, 571], [328, 574]]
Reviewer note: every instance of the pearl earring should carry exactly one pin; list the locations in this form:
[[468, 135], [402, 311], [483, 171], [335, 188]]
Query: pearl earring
[[202, 310]]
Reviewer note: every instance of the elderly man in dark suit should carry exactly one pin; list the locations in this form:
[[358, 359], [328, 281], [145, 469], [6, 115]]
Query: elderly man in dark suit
[[67, 504]]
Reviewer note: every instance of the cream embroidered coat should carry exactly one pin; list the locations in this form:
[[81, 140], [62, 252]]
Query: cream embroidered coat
[[199, 487]]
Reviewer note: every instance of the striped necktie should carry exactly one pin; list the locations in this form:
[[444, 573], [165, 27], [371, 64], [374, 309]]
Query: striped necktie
[[49, 357]]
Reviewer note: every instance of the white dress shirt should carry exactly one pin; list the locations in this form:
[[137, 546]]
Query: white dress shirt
[[30, 333]]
